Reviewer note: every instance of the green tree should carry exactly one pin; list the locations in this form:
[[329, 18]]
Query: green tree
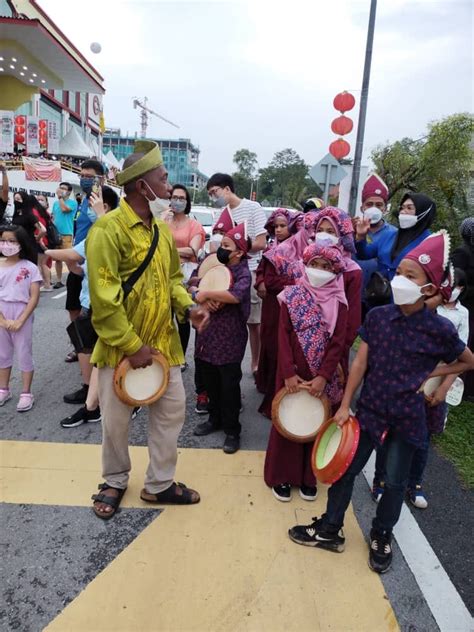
[[246, 163], [439, 164], [285, 180]]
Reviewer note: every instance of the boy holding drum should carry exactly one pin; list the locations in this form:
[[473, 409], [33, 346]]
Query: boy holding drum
[[221, 347], [401, 347]]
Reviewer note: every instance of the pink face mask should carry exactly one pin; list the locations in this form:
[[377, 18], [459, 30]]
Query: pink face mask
[[8, 249]]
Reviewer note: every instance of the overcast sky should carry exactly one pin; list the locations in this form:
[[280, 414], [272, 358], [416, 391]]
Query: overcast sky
[[263, 74]]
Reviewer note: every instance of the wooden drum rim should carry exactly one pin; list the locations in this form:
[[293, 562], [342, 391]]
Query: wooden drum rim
[[121, 371], [281, 428]]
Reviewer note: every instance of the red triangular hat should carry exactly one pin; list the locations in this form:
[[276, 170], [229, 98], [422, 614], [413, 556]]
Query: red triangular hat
[[433, 256], [225, 221], [374, 186], [239, 237]]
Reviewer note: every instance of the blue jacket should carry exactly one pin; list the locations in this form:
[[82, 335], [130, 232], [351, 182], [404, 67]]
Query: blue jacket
[[369, 266], [382, 251], [84, 220]]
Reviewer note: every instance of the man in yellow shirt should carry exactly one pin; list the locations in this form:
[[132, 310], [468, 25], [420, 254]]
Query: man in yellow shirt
[[137, 326]]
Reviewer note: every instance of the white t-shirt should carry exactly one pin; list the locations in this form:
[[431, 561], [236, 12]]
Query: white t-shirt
[[459, 316], [253, 214]]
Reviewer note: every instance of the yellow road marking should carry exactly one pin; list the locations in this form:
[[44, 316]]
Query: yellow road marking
[[223, 565]]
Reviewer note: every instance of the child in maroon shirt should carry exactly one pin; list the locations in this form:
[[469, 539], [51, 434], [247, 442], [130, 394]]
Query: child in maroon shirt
[[221, 347]]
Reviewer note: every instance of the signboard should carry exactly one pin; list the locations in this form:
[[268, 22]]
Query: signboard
[[32, 135], [328, 166], [345, 189], [53, 137], [7, 131], [94, 108]]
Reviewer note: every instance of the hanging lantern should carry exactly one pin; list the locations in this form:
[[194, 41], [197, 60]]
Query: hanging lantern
[[20, 119], [339, 148], [342, 125], [344, 101], [20, 129], [43, 124], [20, 139]]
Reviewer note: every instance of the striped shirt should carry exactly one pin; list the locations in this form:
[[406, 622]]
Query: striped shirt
[[253, 214]]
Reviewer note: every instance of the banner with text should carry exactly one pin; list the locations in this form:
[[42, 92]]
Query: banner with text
[[32, 135], [53, 137], [7, 131], [40, 169]]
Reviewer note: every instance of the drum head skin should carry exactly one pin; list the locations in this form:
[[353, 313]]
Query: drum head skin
[[299, 416], [209, 262], [432, 383], [141, 387], [217, 278], [334, 450]]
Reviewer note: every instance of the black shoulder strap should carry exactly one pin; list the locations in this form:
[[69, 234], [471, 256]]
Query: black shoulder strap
[[133, 278]]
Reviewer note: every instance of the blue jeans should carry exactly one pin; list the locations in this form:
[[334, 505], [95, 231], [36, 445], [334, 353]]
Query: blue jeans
[[420, 459], [399, 455]]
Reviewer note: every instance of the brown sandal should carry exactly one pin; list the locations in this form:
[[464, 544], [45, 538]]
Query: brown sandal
[[171, 496], [113, 501]]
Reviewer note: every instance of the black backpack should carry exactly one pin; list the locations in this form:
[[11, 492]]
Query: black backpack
[[53, 236], [378, 290]]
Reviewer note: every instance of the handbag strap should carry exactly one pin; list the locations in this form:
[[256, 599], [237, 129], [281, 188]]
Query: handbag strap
[[133, 278]]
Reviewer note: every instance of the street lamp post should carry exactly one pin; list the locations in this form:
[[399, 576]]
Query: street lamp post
[[363, 110]]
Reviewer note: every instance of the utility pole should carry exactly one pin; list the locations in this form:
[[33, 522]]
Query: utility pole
[[363, 110]]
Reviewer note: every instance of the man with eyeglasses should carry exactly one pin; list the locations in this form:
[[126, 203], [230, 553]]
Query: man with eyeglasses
[[221, 190]]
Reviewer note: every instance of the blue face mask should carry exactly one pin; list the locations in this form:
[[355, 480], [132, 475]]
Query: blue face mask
[[86, 184]]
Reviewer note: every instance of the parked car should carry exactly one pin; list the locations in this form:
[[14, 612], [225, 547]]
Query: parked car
[[205, 216]]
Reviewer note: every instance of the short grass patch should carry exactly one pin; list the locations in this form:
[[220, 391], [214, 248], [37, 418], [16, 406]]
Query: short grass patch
[[457, 441]]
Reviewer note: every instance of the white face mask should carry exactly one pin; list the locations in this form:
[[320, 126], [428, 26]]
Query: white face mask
[[157, 205], [455, 294], [216, 238], [326, 239], [405, 292], [373, 214], [318, 278], [407, 221]]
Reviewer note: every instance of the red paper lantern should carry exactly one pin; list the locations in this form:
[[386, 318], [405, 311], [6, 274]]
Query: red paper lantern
[[339, 148], [342, 125], [20, 139], [20, 119], [19, 129], [344, 101], [43, 124]]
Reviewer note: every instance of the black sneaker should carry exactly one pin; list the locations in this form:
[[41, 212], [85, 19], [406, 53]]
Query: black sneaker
[[135, 411], [202, 404], [282, 492], [78, 397], [316, 534], [380, 556], [82, 416], [308, 492], [58, 285], [231, 444], [207, 427]]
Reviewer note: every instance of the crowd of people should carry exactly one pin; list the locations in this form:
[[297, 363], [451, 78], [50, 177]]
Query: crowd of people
[[306, 289]]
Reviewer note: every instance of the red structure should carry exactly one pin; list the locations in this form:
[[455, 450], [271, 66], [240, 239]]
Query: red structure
[[342, 125]]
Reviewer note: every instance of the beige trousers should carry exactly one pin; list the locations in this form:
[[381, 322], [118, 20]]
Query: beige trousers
[[166, 418]]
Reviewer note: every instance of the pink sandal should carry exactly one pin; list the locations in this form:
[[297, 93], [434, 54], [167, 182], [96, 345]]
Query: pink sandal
[[25, 402], [5, 395]]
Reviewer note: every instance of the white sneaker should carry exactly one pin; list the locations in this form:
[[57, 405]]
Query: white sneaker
[[417, 497], [5, 395], [25, 402]]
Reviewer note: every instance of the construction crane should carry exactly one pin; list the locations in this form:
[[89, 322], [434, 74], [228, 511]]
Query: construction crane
[[145, 111]]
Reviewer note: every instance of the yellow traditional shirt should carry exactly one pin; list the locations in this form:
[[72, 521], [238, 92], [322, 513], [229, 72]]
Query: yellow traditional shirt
[[116, 245]]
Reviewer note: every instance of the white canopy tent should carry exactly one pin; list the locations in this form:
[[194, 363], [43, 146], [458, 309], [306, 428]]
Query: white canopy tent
[[111, 160], [73, 145], [94, 146]]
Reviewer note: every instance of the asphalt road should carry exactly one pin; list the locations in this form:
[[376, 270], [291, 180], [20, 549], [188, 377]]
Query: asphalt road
[[32, 594]]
